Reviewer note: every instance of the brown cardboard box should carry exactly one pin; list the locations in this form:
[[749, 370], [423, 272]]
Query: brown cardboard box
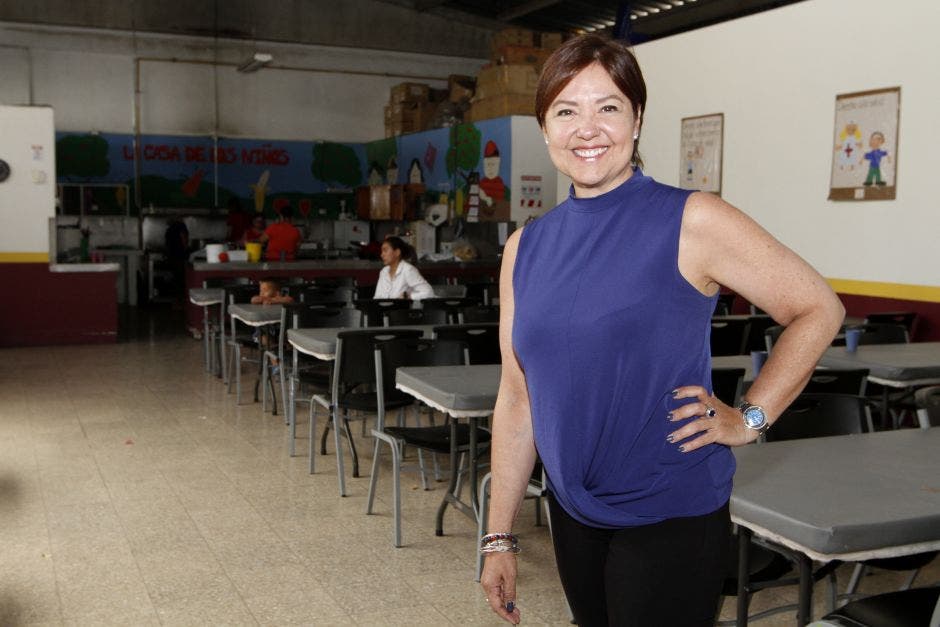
[[408, 117], [513, 37], [501, 106], [389, 202], [495, 80], [409, 92], [550, 41], [399, 127], [460, 87], [521, 55]]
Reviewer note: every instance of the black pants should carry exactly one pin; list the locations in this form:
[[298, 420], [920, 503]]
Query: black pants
[[668, 573]]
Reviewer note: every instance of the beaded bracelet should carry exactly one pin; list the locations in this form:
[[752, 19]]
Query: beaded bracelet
[[500, 546], [498, 536], [499, 543]]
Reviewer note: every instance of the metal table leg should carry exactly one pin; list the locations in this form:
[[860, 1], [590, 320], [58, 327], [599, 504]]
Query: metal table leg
[[805, 612]]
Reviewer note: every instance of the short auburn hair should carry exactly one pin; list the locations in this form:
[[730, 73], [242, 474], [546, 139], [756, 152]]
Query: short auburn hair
[[576, 54]]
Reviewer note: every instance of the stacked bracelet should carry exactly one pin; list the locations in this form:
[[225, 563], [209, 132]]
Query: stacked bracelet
[[499, 543]]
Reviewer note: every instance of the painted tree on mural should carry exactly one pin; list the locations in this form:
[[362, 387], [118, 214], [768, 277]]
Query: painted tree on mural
[[464, 150], [82, 156], [336, 163], [379, 152]]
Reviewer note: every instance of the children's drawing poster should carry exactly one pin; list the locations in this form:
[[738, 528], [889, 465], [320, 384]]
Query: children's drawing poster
[[700, 152], [865, 145]]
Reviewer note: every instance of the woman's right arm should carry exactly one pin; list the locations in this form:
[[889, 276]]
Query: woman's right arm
[[381, 287], [512, 455]]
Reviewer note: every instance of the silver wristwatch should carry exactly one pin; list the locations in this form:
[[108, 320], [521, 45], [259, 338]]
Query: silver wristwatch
[[754, 417]]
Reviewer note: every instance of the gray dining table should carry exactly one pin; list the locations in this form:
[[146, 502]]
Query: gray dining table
[[893, 365], [460, 392], [844, 498], [903, 366], [206, 297]]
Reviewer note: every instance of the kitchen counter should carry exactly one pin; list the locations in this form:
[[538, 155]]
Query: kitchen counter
[[84, 267]]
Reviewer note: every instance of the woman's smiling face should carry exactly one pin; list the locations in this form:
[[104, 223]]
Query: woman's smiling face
[[590, 129]]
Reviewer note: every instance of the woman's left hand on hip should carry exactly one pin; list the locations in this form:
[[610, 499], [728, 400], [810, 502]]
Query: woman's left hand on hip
[[706, 420]]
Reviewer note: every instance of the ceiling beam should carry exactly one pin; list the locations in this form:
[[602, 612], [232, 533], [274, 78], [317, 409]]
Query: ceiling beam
[[524, 9]]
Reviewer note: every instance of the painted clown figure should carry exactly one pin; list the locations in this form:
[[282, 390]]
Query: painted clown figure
[[492, 188]]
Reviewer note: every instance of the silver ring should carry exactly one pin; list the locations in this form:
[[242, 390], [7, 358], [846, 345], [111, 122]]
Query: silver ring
[[710, 411]]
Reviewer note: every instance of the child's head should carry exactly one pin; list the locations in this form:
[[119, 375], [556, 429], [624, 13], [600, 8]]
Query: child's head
[[876, 140], [269, 288]]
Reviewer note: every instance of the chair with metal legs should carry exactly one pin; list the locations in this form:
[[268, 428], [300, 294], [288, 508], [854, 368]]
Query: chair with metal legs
[[352, 380], [307, 372], [389, 356]]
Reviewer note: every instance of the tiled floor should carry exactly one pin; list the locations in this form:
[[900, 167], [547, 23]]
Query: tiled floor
[[133, 491]]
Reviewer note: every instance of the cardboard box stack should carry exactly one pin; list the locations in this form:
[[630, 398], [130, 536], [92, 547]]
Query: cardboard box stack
[[507, 85], [409, 108]]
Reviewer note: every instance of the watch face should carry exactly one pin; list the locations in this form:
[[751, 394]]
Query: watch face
[[754, 417]]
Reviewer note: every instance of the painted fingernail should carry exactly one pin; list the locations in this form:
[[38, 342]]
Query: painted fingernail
[[670, 416], [682, 449], [675, 393], [510, 606], [670, 438]]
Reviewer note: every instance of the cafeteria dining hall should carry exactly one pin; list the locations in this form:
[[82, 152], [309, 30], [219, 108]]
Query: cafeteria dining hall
[[263, 277]]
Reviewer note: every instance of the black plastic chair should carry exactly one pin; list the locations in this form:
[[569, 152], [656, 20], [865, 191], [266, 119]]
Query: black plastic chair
[[482, 340], [918, 607], [882, 333], [905, 318], [726, 384], [352, 385], [756, 340], [452, 306], [479, 313], [728, 336], [838, 381], [484, 291], [927, 401], [389, 357], [814, 415], [374, 309], [724, 306], [333, 281], [771, 335], [327, 294], [305, 372], [406, 317]]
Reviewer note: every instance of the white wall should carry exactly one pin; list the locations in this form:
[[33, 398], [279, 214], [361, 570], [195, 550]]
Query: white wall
[[775, 76], [530, 158], [27, 197], [309, 92]]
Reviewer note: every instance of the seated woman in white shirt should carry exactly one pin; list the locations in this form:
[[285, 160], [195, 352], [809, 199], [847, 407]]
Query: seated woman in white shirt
[[400, 279]]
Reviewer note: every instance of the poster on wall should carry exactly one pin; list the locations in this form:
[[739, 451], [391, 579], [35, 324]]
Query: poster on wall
[[865, 146], [700, 152]]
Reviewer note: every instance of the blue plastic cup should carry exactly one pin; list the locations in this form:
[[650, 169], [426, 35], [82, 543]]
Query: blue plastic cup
[[851, 339], [757, 361]]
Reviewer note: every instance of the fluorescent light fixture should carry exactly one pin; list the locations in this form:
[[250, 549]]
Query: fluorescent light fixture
[[257, 61]]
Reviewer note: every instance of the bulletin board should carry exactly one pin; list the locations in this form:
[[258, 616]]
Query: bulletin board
[[700, 152], [865, 145]]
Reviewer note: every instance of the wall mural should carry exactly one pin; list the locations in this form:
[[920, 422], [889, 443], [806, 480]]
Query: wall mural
[[465, 166]]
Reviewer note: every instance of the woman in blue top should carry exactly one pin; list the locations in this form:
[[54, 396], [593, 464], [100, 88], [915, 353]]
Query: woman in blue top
[[606, 303]]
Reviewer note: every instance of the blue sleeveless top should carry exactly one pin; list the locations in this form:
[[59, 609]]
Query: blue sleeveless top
[[605, 327]]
